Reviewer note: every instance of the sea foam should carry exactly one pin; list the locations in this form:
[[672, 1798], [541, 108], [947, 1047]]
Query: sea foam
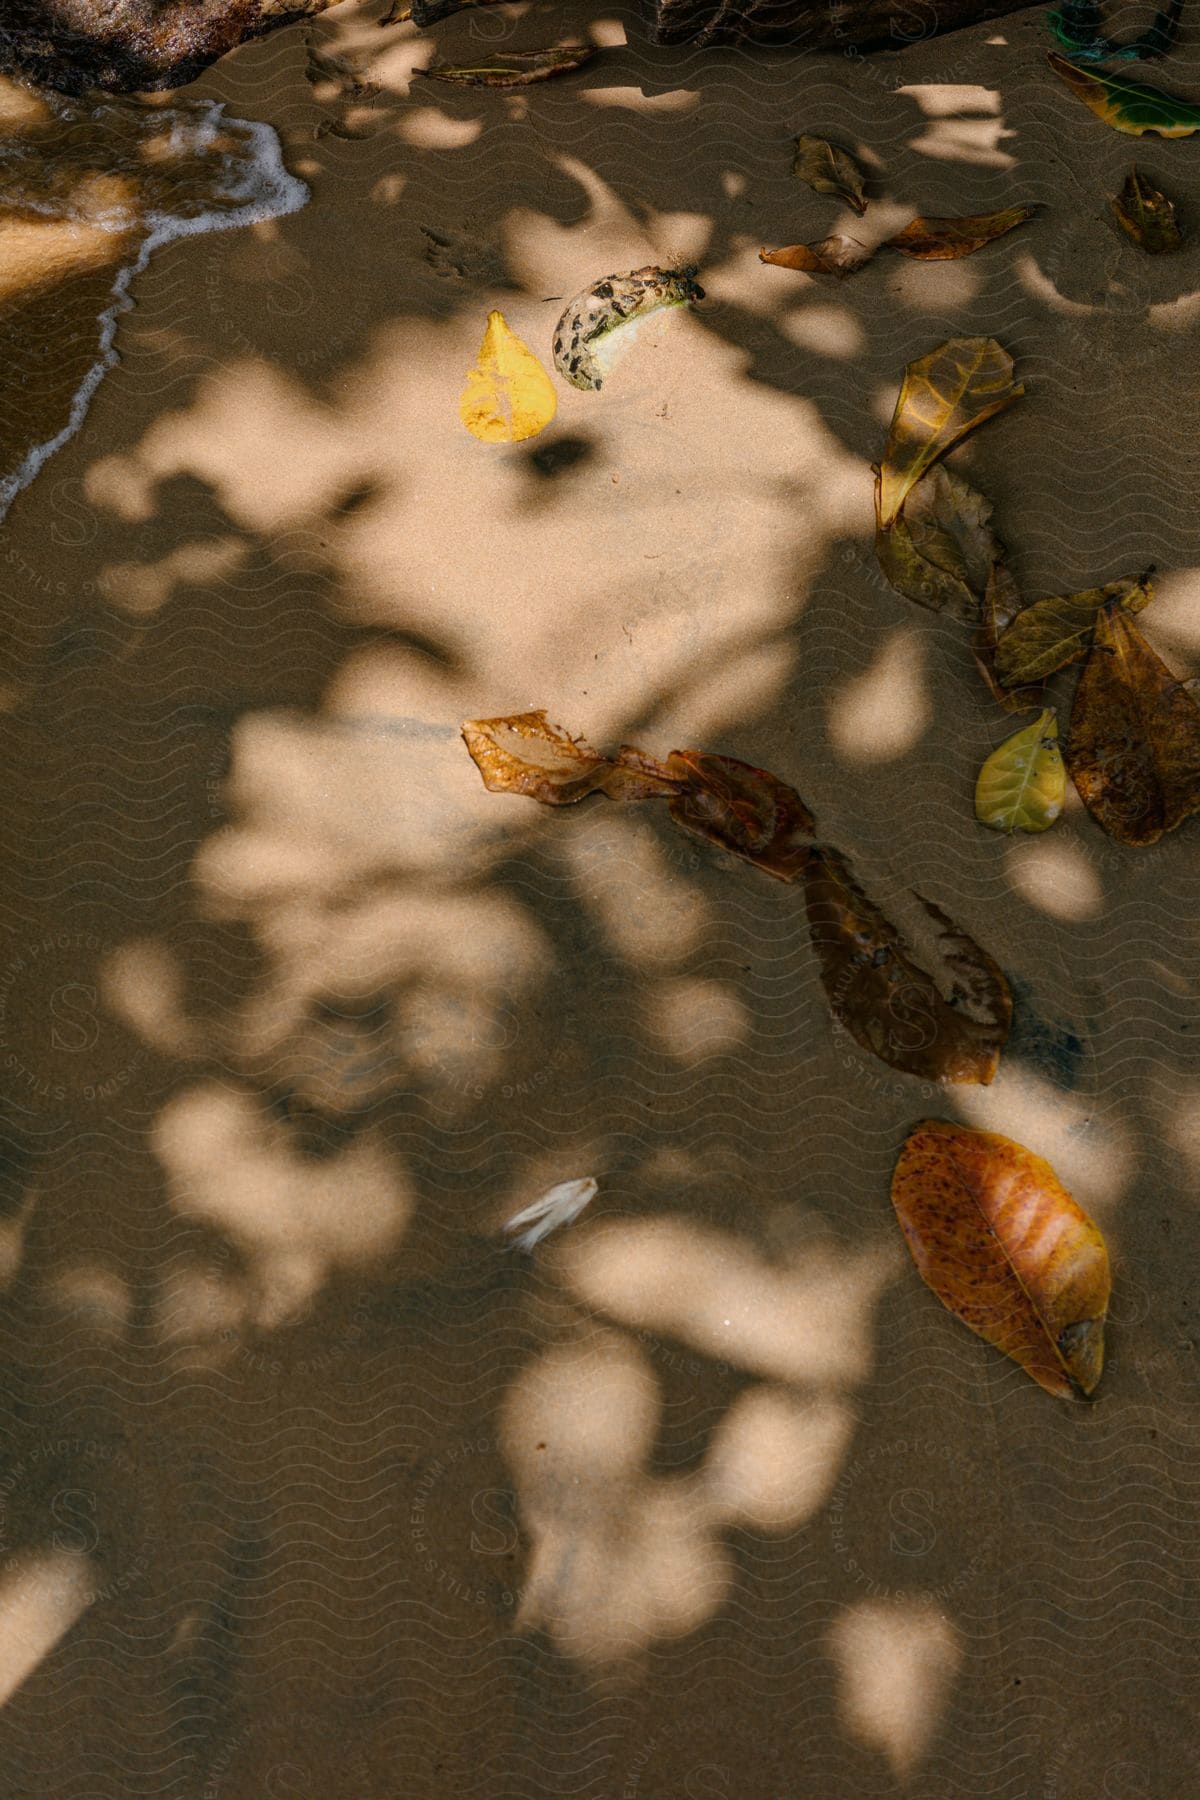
[[145, 173]]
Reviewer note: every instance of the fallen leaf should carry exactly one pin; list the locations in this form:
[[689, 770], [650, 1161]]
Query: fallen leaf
[[941, 549], [886, 1001], [583, 333], [1023, 783], [939, 240], [1001, 605], [829, 169], [1006, 1249], [1127, 105], [1134, 744], [525, 754], [1050, 634], [743, 809], [1147, 216], [943, 396], [517, 68], [560, 1205], [508, 395], [399, 14], [835, 255]]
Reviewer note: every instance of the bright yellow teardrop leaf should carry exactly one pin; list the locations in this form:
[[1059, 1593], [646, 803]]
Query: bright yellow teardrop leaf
[[1023, 783], [508, 395]]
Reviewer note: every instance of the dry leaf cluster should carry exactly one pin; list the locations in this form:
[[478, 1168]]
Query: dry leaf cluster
[[1133, 746]]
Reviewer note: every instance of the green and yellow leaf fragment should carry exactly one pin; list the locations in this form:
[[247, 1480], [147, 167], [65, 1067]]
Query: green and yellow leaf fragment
[[1127, 105]]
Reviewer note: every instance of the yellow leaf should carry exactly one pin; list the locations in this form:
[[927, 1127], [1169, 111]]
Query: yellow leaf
[[1023, 784], [508, 395]]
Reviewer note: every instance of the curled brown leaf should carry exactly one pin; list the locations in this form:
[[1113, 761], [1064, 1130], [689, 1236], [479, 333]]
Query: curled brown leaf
[[888, 1003], [940, 240], [1134, 746], [1146, 215], [743, 809], [941, 549], [835, 255]]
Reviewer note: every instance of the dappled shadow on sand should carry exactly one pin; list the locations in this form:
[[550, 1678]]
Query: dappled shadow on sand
[[308, 1478]]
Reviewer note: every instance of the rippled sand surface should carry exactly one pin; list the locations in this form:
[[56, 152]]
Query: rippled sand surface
[[309, 1485]]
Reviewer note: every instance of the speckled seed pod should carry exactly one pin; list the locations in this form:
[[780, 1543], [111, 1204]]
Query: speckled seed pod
[[607, 304]]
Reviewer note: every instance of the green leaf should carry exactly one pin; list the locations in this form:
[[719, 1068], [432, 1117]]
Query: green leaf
[[1023, 783], [1127, 105]]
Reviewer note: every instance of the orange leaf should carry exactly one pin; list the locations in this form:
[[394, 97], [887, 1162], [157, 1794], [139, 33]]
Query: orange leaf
[[525, 754], [831, 256], [1006, 1249]]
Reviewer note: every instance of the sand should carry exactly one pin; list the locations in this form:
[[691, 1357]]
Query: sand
[[310, 1486]]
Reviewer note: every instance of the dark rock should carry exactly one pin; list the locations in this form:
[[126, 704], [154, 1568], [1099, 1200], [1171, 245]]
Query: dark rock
[[131, 46], [848, 25]]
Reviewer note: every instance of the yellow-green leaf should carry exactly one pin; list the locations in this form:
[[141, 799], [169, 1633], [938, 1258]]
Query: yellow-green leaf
[[1052, 633], [943, 396], [1128, 105], [508, 395], [1023, 784], [1146, 215]]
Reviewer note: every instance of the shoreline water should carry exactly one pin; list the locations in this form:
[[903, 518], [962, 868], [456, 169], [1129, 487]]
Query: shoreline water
[[213, 173]]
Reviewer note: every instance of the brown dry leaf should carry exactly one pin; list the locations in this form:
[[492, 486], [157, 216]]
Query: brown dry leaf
[[1006, 1249], [1052, 633], [835, 255], [1134, 745], [516, 68], [943, 396], [941, 550], [744, 809], [1146, 215], [398, 14], [886, 1001], [1001, 604], [829, 169], [940, 240], [525, 754]]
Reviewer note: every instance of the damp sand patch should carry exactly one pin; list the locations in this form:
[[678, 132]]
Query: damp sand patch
[[88, 192]]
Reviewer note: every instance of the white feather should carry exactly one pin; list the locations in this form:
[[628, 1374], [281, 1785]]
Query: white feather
[[558, 1206]]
